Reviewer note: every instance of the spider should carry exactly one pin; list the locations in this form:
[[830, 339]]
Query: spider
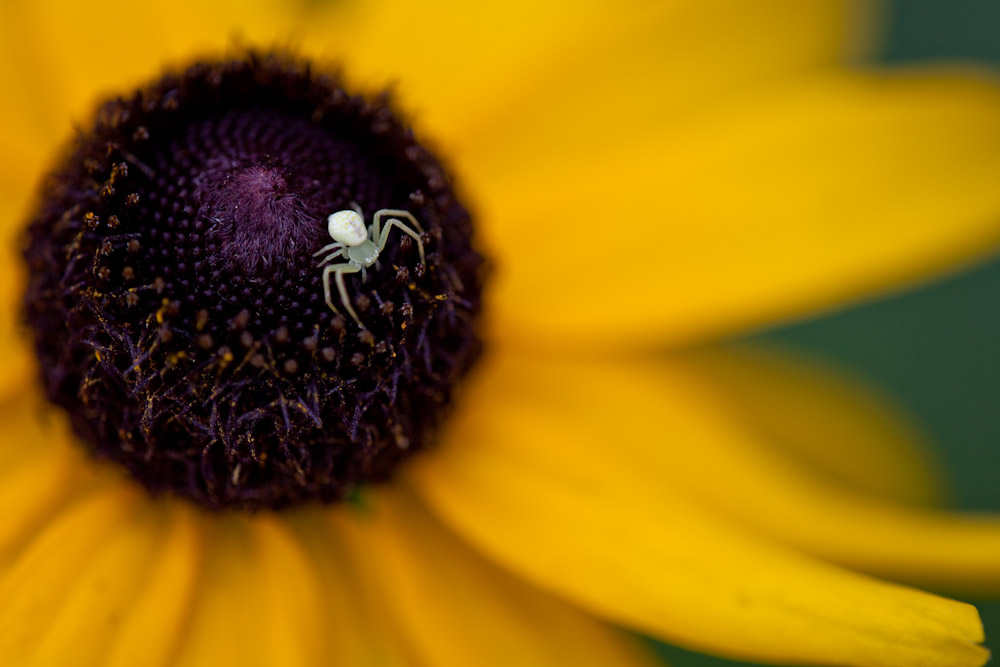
[[360, 247]]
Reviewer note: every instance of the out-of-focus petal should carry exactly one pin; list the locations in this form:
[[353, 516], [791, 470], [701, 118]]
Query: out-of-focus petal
[[66, 55], [798, 199], [815, 415], [21, 166], [75, 578], [455, 609], [759, 487], [552, 469], [360, 628], [14, 347], [41, 470], [471, 71], [156, 620], [260, 603]]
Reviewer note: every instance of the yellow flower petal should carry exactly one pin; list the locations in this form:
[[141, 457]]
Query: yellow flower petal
[[455, 609], [34, 487], [800, 198], [85, 613], [23, 160], [153, 625], [13, 205], [470, 70], [540, 470], [762, 488], [28, 104], [77, 628], [76, 52], [361, 631], [64, 568], [259, 604], [41, 469], [16, 369], [14, 345], [816, 416], [16, 176]]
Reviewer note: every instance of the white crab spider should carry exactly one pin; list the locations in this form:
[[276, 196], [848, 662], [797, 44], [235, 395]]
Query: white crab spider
[[360, 247]]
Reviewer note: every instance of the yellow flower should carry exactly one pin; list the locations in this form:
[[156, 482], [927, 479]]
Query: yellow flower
[[665, 173]]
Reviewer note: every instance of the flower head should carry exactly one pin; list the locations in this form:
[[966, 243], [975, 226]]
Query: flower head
[[661, 174], [173, 286]]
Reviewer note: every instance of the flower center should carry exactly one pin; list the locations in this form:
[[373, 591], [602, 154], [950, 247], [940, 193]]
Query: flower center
[[197, 319]]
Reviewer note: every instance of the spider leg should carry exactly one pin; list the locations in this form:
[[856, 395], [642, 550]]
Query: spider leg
[[377, 219], [393, 222], [332, 246], [326, 289], [339, 270], [332, 256], [378, 236]]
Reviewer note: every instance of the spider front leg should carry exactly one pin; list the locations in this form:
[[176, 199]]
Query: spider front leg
[[337, 247], [381, 236], [340, 270], [339, 252]]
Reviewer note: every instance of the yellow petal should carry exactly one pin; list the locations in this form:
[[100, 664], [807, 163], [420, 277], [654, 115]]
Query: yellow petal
[[818, 417], [17, 370], [18, 172], [14, 345], [800, 198], [259, 604], [358, 626], [34, 487], [42, 469], [455, 609], [70, 54], [761, 487], [78, 628], [470, 70], [46, 588], [540, 470], [23, 159], [28, 101], [93, 571], [154, 624]]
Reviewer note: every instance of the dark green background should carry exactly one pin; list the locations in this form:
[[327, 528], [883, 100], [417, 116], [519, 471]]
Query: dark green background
[[935, 350]]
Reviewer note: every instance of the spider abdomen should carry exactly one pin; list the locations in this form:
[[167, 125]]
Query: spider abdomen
[[347, 227]]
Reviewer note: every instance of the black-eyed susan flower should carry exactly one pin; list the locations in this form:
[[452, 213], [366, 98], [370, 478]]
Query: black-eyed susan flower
[[662, 174]]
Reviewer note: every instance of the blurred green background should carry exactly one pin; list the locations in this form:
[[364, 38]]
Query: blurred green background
[[934, 350]]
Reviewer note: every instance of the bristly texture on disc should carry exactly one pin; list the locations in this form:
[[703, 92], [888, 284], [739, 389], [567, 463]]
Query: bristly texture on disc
[[178, 311]]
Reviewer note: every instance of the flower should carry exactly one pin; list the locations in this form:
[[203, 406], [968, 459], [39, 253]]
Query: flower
[[586, 474]]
